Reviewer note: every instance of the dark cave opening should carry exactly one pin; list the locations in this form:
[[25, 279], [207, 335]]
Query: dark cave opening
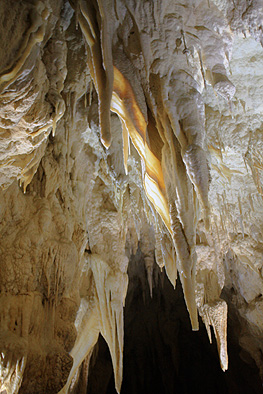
[[161, 352]]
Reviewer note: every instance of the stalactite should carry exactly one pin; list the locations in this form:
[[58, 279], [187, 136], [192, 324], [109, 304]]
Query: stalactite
[[149, 140], [215, 314], [111, 295], [99, 61], [135, 123], [150, 67]]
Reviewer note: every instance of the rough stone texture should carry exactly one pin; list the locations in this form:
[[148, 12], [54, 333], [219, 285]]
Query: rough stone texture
[[126, 123]]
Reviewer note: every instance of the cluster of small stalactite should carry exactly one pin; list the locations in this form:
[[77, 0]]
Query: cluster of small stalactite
[[78, 67]]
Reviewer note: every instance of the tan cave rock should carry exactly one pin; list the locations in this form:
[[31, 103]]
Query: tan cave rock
[[131, 156]]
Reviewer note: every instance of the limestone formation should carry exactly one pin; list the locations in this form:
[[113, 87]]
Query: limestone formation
[[126, 125]]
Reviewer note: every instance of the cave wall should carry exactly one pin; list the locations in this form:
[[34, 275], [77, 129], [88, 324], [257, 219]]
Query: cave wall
[[122, 123]]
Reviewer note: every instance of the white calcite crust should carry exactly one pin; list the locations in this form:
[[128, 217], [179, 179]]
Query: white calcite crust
[[125, 125]]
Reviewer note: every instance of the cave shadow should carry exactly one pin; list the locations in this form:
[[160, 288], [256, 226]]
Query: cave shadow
[[162, 355]]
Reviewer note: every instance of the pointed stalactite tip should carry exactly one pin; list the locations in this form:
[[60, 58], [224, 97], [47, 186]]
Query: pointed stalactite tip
[[106, 142], [105, 135]]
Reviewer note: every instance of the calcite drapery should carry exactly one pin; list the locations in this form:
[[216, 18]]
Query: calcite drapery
[[162, 67]]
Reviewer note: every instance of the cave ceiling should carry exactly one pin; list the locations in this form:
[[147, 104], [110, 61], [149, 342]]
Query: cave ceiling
[[126, 125]]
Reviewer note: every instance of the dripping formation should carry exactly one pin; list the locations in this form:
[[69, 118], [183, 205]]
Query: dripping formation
[[159, 178], [173, 137]]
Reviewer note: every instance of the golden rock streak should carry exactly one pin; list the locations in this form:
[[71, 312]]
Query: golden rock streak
[[125, 105], [101, 75]]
